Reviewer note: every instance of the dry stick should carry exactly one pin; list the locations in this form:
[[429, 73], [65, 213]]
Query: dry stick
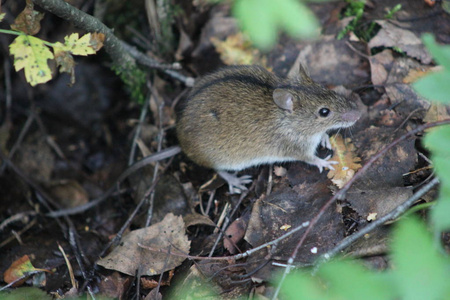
[[26, 275], [160, 105], [138, 130], [340, 194]]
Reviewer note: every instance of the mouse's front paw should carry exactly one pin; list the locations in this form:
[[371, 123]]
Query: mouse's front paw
[[235, 184], [325, 141], [324, 163]]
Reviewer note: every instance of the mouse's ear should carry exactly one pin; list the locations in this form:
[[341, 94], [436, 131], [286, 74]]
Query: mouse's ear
[[283, 99], [303, 74]]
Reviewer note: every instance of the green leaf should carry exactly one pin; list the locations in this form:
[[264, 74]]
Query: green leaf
[[262, 19], [296, 18], [257, 21], [349, 280], [420, 272], [301, 285], [25, 293], [435, 86], [439, 52]]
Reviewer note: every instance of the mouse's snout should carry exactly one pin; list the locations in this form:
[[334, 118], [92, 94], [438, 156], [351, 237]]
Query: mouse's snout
[[351, 116]]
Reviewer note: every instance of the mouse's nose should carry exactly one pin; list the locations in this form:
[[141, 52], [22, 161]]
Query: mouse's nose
[[351, 116]]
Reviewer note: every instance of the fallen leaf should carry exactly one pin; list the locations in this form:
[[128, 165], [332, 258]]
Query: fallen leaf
[[372, 217], [234, 234], [114, 285], [348, 162], [197, 219], [380, 65], [395, 37], [128, 257], [279, 171], [238, 50], [416, 74], [149, 283], [18, 269]]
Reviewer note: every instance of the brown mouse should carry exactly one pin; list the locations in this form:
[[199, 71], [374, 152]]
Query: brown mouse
[[243, 116]]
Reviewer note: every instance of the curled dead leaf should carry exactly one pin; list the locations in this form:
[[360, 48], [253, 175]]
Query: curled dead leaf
[[344, 154]]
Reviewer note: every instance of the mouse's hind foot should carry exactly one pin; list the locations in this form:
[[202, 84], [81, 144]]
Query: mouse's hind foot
[[236, 184]]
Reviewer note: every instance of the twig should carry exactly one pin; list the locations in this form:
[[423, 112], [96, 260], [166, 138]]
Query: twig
[[69, 267], [26, 275], [25, 229], [17, 217], [160, 105], [138, 130], [340, 194], [269, 181]]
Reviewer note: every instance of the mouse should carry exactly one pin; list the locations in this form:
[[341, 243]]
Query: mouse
[[244, 116]]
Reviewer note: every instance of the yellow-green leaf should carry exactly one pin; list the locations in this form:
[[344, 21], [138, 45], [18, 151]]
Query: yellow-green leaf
[[2, 16], [31, 54], [79, 46]]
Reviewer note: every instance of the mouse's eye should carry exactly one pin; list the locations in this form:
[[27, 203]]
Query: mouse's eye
[[324, 112]]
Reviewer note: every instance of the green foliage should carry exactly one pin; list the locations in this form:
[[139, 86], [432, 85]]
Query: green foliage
[[25, 293], [420, 272], [355, 8], [134, 82], [361, 29], [262, 19], [438, 141], [416, 260], [391, 12], [436, 87]]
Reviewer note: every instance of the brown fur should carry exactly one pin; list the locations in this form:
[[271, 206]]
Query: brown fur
[[230, 120]]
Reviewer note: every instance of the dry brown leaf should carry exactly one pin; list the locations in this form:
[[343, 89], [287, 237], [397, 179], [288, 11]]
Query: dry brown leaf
[[29, 20], [348, 161], [197, 219], [165, 235], [237, 50], [234, 234], [403, 39], [416, 74]]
